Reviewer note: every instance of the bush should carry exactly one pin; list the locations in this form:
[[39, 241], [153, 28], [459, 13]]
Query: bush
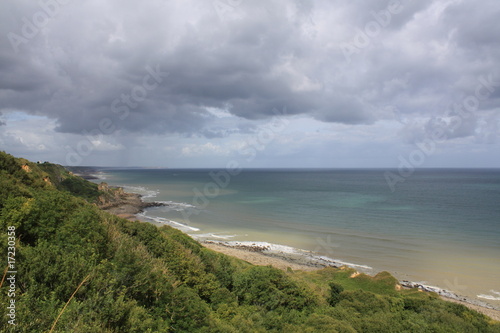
[[335, 290], [270, 288]]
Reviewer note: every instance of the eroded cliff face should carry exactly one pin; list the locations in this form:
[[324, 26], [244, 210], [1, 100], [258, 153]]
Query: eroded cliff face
[[110, 196], [37, 174]]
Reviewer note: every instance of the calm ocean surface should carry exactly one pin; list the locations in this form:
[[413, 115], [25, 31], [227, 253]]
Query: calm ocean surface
[[440, 227]]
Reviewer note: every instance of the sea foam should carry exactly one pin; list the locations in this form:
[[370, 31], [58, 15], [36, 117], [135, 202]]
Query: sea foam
[[144, 192], [212, 235], [178, 225], [491, 297], [177, 206]]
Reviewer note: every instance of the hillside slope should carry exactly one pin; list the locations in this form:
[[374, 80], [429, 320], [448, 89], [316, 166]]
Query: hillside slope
[[80, 269]]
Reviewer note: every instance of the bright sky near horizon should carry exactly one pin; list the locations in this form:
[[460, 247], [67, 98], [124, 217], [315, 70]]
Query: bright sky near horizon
[[275, 83]]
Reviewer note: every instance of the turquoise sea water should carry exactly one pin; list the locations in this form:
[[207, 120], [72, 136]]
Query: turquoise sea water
[[440, 227]]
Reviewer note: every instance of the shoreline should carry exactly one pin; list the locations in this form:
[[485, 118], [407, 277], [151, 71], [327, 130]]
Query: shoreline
[[258, 258], [259, 253]]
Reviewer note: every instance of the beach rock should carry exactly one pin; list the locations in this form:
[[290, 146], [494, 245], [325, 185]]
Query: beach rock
[[145, 205]]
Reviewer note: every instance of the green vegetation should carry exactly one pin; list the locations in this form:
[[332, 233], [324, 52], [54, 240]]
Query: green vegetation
[[135, 277]]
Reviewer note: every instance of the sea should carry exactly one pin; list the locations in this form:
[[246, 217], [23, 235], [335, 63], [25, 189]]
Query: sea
[[436, 227]]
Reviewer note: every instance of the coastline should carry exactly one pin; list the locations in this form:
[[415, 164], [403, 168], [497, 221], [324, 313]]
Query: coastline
[[131, 205]]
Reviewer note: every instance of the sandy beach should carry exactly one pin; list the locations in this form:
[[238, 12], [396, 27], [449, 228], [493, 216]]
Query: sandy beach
[[131, 204]]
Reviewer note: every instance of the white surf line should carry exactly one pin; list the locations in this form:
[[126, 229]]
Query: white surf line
[[447, 294], [341, 263], [172, 223], [490, 297], [178, 206], [141, 190]]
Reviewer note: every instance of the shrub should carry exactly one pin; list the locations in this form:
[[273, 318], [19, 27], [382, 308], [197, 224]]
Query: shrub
[[335, 290]]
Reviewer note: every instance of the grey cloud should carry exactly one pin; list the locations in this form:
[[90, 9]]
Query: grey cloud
[[90, 54], [474, 25]]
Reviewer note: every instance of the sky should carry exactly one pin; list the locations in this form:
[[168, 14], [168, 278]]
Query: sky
[[274, 83]]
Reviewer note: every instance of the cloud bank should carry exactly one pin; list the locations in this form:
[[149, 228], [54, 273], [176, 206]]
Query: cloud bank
[[216, 69]]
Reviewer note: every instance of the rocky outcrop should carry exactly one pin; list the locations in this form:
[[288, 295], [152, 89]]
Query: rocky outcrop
[[110, 196], [116, 201]]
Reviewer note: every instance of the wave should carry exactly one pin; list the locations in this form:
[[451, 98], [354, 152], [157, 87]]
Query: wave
[[177, 206], [491, 297], [143, 191], [172, 223], [212, 235], [99, 175], [337, 262]]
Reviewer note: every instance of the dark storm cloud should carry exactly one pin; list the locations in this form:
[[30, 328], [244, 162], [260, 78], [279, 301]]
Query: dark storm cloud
[[253, 58]]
